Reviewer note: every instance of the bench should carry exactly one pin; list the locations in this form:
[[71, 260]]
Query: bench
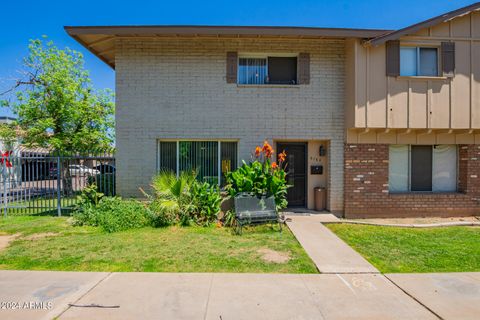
[[251, 210]]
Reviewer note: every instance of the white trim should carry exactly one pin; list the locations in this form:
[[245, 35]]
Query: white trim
[[260, 55], [158, 156], [197, 139], [219, 162], [178, 158]]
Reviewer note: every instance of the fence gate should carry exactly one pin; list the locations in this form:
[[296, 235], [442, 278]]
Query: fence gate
[[42, 183]]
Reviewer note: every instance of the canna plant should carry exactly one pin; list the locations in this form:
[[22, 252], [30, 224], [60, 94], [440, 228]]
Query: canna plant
[[261, 177]]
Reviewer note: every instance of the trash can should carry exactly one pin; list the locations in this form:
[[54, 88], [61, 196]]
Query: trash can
[[320, 195]]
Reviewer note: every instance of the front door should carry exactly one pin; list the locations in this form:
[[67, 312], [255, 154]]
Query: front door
[[296, 168]]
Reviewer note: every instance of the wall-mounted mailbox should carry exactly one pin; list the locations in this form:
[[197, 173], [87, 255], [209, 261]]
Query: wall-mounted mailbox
[[316, 169]]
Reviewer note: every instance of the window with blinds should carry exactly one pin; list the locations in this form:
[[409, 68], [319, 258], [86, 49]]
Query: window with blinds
[[268, 70], [422, 168], [210, 160]]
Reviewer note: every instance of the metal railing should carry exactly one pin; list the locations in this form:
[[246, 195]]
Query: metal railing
[[36, 183]]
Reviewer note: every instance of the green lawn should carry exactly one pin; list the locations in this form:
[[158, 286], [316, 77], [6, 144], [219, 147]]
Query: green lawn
[[173, 249], [393, 249]]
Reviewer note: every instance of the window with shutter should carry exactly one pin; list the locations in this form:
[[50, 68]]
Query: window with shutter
[[263, 69], [418, 61]]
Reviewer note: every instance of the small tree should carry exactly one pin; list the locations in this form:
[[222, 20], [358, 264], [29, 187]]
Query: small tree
[[8, 136], [57, 106]]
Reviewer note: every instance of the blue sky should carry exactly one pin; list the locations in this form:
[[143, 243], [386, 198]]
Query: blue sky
[[29, 19]]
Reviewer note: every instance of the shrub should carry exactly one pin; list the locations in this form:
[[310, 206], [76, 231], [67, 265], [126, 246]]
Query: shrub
[[89, 195], [172, 200], [113, 214], [229, 218], [160, 216], [261, 177], [105, 183], [183, 200], [206, 203]]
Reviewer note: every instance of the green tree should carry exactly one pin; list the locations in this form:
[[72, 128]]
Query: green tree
[[56, 105], [8, 135]]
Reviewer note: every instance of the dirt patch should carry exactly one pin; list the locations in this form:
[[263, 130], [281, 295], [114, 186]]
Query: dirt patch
[[269, 255], [37, 236], [6, 239]]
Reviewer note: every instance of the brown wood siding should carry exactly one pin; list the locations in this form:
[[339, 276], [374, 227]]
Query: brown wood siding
[[381, 101]]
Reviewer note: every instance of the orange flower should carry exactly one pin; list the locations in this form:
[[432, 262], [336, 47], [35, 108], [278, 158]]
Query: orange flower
[[274, 165], [267, 149], [282, 156], [257, 151]]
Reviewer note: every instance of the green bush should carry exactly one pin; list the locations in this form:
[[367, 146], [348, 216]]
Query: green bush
[[113, 214], [229, 218], [161, 217], [172, 199], [89, 195], [105, 183], [261, 177], [183, 200], [206, 202]]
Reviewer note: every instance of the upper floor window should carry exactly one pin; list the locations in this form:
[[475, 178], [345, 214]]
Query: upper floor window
[[419, 61], [267, 70]]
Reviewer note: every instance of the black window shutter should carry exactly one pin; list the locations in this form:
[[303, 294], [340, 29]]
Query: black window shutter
[[448, 58], [393, 58], [232, 59], [304, 68]]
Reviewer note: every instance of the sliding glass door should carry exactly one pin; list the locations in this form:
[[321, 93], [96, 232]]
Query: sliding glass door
[[210, 160]]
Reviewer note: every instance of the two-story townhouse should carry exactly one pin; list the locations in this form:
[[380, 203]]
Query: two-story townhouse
[[386, 121]]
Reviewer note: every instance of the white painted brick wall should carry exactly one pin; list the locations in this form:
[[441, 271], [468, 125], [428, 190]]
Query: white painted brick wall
[[176, 88]]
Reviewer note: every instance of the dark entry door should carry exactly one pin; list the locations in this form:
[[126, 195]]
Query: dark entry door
[[296, 168]]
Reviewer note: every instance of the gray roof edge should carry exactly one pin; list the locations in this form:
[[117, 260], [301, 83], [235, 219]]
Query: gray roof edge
[[394, 35], [224, 30]]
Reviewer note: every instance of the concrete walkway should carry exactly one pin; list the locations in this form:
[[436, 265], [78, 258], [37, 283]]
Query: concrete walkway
[[329, 253], [449, 295], [208, 296]]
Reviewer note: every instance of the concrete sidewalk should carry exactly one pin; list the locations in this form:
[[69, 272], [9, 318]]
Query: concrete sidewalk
[[329, 253], [42, 294], [206, 296], [96, 295], [449, 295]]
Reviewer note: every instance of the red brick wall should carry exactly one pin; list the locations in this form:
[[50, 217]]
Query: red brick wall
[[366, 187]]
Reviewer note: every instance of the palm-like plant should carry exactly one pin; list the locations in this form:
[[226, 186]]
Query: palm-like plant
[[173, 194]]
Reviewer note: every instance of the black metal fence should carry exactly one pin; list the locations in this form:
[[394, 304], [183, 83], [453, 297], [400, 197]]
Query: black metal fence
[[42, 183]]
